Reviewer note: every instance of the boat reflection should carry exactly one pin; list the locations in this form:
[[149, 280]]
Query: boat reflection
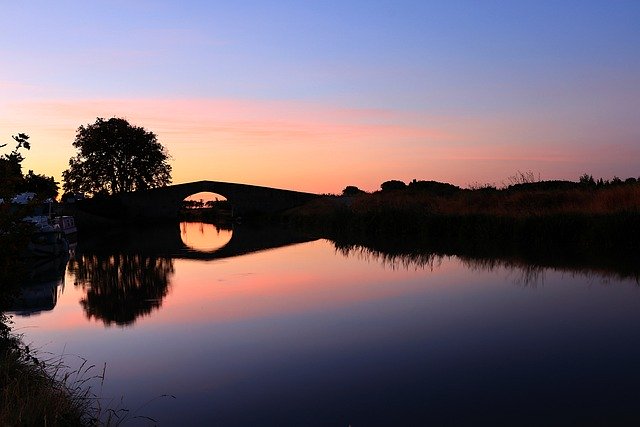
[[40, 291]]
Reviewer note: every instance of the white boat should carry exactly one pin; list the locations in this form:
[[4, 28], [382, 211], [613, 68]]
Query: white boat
[[67, 224]]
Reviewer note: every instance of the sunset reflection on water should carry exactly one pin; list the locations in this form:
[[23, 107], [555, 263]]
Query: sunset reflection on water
[[308, 334], [199, 236]]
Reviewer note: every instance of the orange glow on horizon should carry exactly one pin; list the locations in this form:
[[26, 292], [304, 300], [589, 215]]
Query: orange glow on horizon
[[310, 147]]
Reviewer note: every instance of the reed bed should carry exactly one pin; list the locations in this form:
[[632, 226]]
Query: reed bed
[[40, 389], [582, 223], [33, 394]]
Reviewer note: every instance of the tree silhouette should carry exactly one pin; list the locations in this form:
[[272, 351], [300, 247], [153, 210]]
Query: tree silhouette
[[116, 157], [12, 180], [393, 185], [121, 287], [351, 190]]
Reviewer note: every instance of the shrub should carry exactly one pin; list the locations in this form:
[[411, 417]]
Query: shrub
[[393, 185]]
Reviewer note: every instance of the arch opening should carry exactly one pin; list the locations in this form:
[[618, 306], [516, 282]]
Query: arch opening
[[206, 206]]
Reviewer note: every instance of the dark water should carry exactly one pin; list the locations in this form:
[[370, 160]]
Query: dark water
[[205, 326]]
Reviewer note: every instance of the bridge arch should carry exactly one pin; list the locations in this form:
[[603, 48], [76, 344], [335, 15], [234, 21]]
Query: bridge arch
[[165, 202]]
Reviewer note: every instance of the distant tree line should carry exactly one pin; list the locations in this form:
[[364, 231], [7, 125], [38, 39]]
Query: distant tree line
[[210, 204], [520, 181]]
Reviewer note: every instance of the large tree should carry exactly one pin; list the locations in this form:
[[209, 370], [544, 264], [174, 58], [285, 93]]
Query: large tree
[[114, 157]]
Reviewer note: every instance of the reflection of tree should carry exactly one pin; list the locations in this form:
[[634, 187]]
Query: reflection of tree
[[120, 288]]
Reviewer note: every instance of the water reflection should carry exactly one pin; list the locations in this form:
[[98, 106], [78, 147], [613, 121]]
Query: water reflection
[[300, 336], [40, 290], [199, 236], [127, 273], [524, 271], [121, 287], [191, 240]]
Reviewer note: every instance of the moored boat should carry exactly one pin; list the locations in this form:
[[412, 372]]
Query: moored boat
[[47, 241], [67, 225]]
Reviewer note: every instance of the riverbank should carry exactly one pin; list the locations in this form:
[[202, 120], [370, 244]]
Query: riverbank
[[34, 392], [547, 221]]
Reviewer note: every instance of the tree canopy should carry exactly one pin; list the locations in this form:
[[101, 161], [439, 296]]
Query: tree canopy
[[114, 157], [393, 184]]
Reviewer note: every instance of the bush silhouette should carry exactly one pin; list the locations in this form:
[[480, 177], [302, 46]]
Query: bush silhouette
[[393, 185]]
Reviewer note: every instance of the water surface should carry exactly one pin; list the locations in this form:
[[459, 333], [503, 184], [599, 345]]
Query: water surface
[[216, 327]]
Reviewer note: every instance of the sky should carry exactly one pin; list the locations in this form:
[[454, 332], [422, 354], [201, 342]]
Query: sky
[[318, 95]]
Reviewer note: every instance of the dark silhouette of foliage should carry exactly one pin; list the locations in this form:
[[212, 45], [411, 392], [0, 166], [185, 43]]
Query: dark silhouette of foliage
[[587, 180], [434, 187], [218, 204], [351, 190], [193, 204], [555, 185], [12, 179], [11, 167], [44, 186], [114, 157], [393, 185]]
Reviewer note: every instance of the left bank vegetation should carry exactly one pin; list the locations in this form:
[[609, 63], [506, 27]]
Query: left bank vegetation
[[33, 391]]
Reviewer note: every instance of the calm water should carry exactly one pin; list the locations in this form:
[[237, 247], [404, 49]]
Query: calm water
[[201, 326]]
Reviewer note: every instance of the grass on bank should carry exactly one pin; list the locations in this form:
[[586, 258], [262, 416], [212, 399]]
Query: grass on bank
[[548, 218], [32, 394], [39, 391], [511, 202]]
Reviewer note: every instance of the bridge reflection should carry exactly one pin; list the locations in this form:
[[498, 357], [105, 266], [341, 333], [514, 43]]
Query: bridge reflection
[[126, 273], [165, 241]]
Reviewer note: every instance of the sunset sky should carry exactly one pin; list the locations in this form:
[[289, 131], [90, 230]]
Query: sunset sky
[[318, 95]]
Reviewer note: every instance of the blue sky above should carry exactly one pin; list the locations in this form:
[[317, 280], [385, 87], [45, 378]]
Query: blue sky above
[[509, 74]]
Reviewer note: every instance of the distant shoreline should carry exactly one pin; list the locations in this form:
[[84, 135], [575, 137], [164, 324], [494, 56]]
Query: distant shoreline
[[542, 218]]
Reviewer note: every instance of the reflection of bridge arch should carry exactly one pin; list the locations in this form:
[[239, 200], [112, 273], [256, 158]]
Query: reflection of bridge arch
[[164, 202], [204, 237], [164, 240], [244, 240]]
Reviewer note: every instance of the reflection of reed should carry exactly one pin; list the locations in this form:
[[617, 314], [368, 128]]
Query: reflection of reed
[[122, 287], [523, 273], [531, 275], [394, 261]]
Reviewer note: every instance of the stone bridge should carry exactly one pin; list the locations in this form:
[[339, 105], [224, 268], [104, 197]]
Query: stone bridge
[[165, 202]]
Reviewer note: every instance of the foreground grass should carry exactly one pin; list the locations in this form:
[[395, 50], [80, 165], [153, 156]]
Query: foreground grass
[[31, 393]]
